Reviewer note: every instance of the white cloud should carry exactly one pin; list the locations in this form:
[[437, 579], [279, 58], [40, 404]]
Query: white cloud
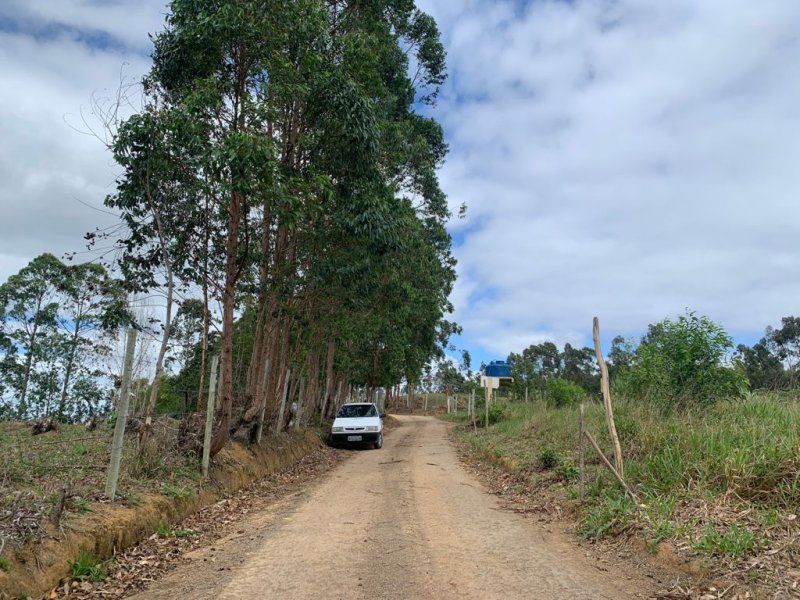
[[50, 167], [624, 159]]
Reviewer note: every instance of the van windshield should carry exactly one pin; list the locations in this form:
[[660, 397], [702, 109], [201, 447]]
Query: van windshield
[[354, 411]]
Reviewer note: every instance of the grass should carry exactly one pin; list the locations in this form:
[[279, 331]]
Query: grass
[[164, 530], [34, 470], [5, 565], [81, 504], [734, 457], [175, 491], [736, 541], [89, 568]]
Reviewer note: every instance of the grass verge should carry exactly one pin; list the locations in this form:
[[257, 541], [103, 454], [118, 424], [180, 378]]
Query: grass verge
[[721, 484]]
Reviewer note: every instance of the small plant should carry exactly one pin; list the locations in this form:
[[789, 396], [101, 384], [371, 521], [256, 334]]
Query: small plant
[[5, 565], [81, 504], [81, 449], [769, 517], [568, 470], [737, 541], [549, 459], [184, 533], [495, 414], [612, 516], [87, 567], [165, 531], [175, 491], [562, 392], [662, 530]]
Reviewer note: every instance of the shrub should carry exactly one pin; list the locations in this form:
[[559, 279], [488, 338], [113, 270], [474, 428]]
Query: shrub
[[680, 362], [548, 459], [562, 392], [496, 413]]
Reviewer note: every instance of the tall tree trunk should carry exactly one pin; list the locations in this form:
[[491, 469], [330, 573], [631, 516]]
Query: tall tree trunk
[[62, 403], [200, 407], [255, 375], [22, 408], [228, 298], [162, 352]]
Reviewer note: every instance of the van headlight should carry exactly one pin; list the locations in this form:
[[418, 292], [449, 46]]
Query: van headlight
[[337, 429], [371, 428]]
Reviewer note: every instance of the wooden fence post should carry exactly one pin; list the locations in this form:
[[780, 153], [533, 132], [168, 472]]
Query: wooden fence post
[[581, 460], [604, 385], [488, 396], [122, 415], [212, 396]]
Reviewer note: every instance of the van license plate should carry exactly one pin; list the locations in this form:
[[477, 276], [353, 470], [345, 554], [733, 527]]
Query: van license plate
[[353, 438]]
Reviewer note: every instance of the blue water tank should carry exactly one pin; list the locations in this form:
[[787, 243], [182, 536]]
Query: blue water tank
[[498, 368]]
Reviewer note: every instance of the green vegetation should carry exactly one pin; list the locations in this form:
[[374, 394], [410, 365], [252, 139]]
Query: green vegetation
[[736, 541], [57, 322], [35, 469], [681, 362], [165, 530], [563, 392], [5, 565], [175, 491], [89, 568], [739, 454]]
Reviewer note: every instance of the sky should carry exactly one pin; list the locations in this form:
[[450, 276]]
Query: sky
[[626, 159]]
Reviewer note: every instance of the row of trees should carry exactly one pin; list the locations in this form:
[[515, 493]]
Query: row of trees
[[279, 167], [677, 362], [278, 189], [58, 328]]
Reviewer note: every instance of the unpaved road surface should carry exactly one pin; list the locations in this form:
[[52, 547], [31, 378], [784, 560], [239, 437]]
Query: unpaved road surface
[[406, 521]]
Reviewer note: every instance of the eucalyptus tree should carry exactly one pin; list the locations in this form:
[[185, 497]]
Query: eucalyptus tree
[[55, 317], [93, 306], [292, 125], [30, 303]]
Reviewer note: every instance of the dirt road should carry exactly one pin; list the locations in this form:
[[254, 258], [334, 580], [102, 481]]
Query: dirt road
[[406, 521]]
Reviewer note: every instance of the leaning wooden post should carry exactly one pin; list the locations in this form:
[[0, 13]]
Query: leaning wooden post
[[279, 423], [526, 393], [265, 388], [212, 392], [581, 461], [606, 389], [610, 466], [122, 416]]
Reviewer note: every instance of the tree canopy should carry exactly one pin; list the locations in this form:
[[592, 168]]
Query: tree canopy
[[280, 164]]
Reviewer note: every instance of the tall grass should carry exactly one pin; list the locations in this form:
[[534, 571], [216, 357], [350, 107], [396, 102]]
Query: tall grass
[[747, 450]]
